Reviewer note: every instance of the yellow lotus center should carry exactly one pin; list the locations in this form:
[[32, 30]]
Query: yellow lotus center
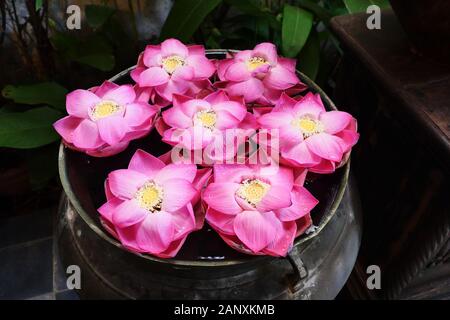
[[171, 63], [255, 62], [150, 197], [307, 126], [207, 118], [105, 109], [253, 191]]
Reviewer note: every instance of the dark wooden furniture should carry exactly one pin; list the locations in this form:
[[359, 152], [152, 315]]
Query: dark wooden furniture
[[402, 162]]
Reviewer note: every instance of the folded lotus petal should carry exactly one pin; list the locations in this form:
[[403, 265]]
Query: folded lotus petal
[[276, 198], [302, 203], [277, 175], [156, 232], [127, 237], [284, 239], [139, 112], [175, 47], [108, 208], [280, 78], [172, 249], [301, 154], [231, 172], [251, 89], [309, 106], [348, 139], [109, 195], [237, 71], [217, 97], [221, 221], [128, 213], [175, 117], [152, 56], [254, 229], [107, 151], [80, 102], [270, 96], [288, 64], [109, 227], [234, 108], [112, 129], [183, 221], [335, 121], [86, 135], [300, 176], [152, 77], [222, 67], [267, 50], [176, 194], [275, 120], [285, 104], [202, 66], [323, 167], [122, 95], [326, 146], [172, 87], [243, 55], [196, 50], [146, 164], [191, 107], [66, 127], [221, 197], [226, 120], [176, 171], [184, 73], [201, 178], [124, 183], [105, 87], [135, 74], [303, 224]]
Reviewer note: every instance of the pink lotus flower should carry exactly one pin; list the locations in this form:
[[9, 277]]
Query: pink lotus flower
[[258, 75], [173, 68], [103, 120], [310, 136], [149, 206], [194, 124], [256, 209]]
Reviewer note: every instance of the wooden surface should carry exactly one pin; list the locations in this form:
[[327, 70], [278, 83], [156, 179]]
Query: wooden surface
[[421, 86], [402, 160]]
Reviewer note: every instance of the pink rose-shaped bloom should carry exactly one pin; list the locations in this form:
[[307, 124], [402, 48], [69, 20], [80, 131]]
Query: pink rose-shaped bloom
[[258, 75], [256, 209], [209, 123], [149, 206], [173, 68], [103, 120], [309, 136]]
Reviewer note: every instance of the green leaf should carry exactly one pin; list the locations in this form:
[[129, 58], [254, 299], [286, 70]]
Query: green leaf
[[323, 14], [29, 129], [38, 4], [354, 6], [297, 24], [309, 57], [101, 61], [97, 15], [50, 93], [185, 18], [383, 4], [254, 8]]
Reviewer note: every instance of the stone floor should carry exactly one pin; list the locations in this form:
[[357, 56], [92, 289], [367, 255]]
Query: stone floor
[[29, 261]]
